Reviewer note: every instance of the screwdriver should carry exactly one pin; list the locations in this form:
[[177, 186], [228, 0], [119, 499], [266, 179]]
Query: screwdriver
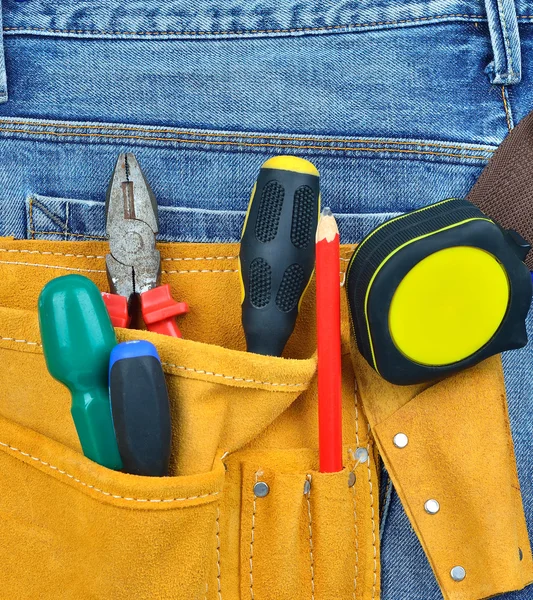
[[140, 408], [277, 254], [77, 338]]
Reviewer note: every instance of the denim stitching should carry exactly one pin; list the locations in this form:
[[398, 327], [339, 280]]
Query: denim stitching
[[251, 31], [80, 235], [53, 217], [30, 216], [508, 114], [274, 136], [67, 204], [248, 144]]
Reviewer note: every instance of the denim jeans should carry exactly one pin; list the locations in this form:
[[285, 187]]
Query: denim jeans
[[399, 103]]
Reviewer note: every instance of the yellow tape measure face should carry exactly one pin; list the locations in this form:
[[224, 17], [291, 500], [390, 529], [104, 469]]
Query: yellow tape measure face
[[449, 306]]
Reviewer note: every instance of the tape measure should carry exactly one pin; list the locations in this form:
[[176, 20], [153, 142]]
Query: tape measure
[[437, 290]]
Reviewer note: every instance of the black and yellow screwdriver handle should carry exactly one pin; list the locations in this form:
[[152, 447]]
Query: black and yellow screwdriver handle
[[277, 254]]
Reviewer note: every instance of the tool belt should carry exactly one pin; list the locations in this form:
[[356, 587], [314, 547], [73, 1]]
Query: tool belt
[[245, 513]]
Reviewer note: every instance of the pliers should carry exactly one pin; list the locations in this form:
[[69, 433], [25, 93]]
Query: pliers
[[133, 264]]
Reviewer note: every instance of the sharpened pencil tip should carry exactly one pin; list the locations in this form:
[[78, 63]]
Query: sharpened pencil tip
[[327, 226]]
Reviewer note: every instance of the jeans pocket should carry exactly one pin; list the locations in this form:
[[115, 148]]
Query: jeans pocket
[[71, 219]]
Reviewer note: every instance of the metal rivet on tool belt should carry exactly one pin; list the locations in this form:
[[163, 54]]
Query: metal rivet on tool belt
[[432, 507], [361, 454], [400, 440], [351, 479], [458, 573], [261, 489], [307, 486], [520, 554]]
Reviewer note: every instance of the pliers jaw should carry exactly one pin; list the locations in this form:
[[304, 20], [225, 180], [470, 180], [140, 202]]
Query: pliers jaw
[[133, 264]]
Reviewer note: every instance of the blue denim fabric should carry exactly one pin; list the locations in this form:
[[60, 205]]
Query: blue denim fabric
[[400, 103]]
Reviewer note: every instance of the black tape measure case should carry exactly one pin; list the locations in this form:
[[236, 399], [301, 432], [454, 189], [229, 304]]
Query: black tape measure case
[[437, 290]]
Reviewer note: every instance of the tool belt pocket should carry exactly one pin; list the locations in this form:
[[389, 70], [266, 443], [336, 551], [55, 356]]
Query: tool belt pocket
[[300, 529], [74, 529]]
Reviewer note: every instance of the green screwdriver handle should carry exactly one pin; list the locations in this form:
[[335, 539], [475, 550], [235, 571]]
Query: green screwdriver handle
[[77, 338]]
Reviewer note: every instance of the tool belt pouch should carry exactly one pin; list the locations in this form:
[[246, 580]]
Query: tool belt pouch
[[245, 513], [437, 290]]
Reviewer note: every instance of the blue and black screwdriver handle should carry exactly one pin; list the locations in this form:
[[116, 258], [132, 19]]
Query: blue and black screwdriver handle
[[140, 408], [277, 254]]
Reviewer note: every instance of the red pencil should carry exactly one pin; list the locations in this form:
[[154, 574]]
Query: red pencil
[[329, 343]]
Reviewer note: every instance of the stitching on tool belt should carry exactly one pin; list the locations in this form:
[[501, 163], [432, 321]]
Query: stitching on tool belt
[[183, 368], [80, 270], [43, 253], [356, 569], [312, 560], [219, 586], [111, 127], [248, 144], [210, 373], [92, 487], [252, 542], [251, 31], [374, 582]]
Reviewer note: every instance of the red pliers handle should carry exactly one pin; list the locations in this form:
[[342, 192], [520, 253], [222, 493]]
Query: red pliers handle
[[158, 309]]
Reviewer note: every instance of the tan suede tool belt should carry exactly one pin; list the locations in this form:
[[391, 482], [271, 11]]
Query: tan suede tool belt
[[73, 529]]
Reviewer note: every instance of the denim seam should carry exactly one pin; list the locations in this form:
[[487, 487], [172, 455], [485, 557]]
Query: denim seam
[[200, 134], [62, 233], [251, 31], [507, 108], [30, 218], [53, 217], [248, 144], [389, 483]]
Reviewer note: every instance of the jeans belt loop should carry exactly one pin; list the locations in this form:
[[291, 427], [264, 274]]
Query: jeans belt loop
[[506, 66]]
